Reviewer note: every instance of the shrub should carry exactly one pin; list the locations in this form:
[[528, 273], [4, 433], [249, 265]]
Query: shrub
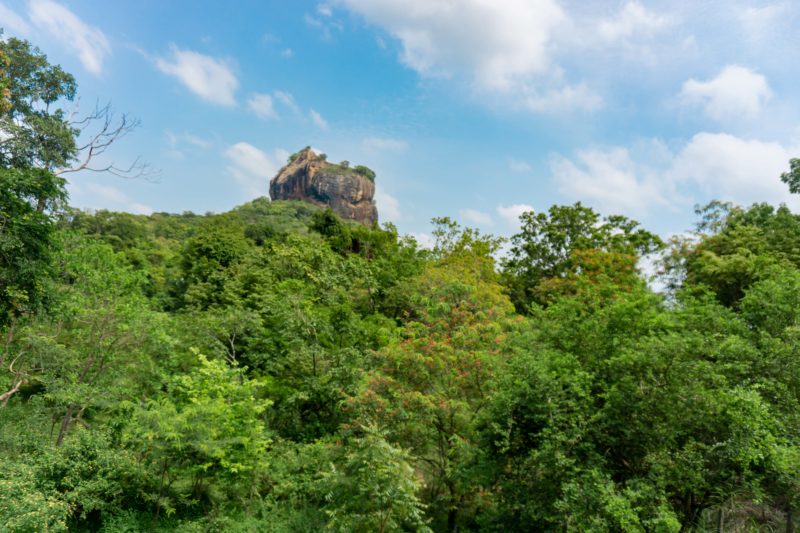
[[365, 171]]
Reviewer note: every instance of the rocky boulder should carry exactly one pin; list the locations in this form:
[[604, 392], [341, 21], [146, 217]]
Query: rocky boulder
[[309, 177]]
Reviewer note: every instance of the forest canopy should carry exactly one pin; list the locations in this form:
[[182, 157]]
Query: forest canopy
[[275, 368]]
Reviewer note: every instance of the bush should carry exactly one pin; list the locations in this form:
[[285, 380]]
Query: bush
[[365, 171]]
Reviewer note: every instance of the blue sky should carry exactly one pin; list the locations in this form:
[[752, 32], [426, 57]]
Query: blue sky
[[475, 109]]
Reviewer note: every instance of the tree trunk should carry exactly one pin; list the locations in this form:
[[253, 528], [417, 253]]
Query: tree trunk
[[64, 425]]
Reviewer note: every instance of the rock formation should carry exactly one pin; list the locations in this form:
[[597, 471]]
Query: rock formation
[[309, 177]]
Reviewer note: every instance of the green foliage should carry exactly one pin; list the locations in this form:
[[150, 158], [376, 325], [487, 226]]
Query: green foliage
[[547, 244], [23, 506], [344, 168], [36, 135], [26, 237], [5, 91], [792, 177], [428, 388], [294, 156], [365, 171], [735, 247], [353, 382], [374, 489], [205, 438]]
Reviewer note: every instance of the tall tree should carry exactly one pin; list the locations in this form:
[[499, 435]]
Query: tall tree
[[26, 237], [546, 246], [36, 132]]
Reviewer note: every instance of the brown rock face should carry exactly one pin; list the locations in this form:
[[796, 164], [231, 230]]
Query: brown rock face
[[312, 179]]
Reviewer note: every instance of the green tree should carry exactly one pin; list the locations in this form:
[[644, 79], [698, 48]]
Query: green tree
[[546, 245], [429, 388], [734, 247], [26, 237], [792, 176], [374, 489], [37, 134], [205, 440]]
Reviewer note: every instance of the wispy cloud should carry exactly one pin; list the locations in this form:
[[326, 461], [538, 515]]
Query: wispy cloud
[[384, 144], [388, 206], [88, 42], [262, 106], [12, 22], [633, 20], [511, 213], [209, 78], [98, 196], [570, 97], [517, 165], [286, 99], [476, 217], [317, 119], [251, 168], [177, 142]]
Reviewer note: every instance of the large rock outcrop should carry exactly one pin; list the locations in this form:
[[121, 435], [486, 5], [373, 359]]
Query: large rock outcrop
[[309, 177]]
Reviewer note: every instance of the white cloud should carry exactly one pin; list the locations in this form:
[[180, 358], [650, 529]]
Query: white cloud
[[759, 22], [286, 99], [731, 168], [709, 166], [424, 240], [318, 120], [511, 213], [262, 106], [735, 93], [632, 21], [282, 156], [476, 217], [384, 144], [12, 22], [388, 206], [516, 53], [197, 141], [88, 42], [287, 53], [211, 79], [562, 99], [325, 23], [517, 165], [500, 43], [176, 143], [97, 196], [609, 179], [251, 168]]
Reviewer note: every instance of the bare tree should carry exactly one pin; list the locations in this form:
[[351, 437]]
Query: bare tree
[[108, 130]]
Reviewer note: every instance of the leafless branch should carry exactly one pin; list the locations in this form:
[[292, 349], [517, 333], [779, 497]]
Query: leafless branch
[[109, 130]]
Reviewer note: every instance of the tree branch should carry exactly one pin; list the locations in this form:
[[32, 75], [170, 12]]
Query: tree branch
[[109, 131]]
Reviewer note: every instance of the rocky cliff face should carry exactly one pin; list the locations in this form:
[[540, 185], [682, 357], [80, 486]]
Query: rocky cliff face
[[312, 179]]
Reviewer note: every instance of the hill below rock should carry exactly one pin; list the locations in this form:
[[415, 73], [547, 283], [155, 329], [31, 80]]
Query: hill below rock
[[349, 192]]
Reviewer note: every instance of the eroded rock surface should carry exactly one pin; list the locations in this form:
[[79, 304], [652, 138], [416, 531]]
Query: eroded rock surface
[[310, 178]]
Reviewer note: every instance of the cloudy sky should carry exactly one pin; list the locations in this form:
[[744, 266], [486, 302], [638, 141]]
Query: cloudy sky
[[476, 109]]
